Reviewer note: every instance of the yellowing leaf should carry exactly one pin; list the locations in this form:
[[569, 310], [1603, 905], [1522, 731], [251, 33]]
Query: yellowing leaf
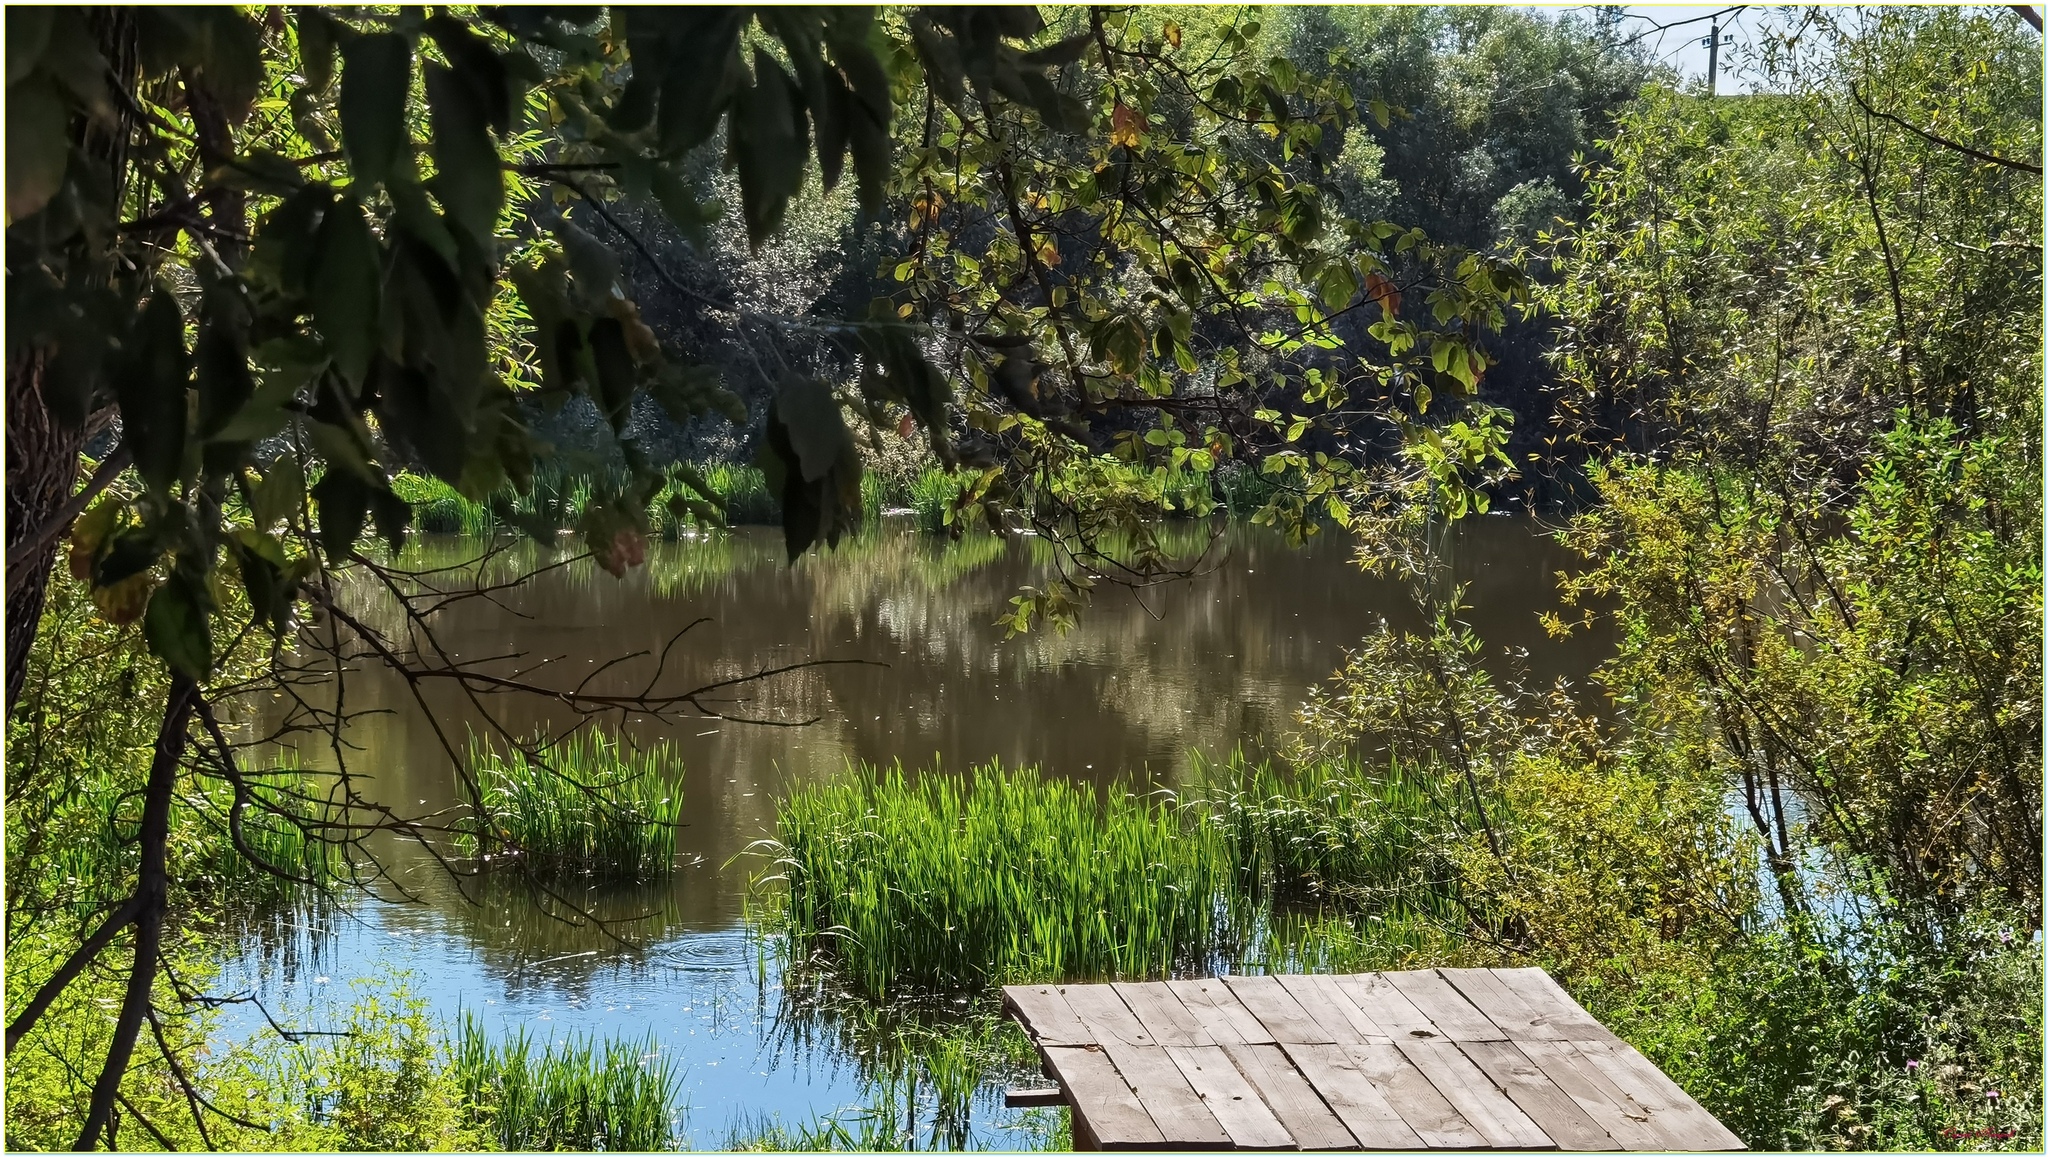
[[1125, 125]]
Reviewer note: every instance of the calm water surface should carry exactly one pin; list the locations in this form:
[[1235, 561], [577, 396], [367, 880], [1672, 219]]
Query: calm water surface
[[1207, 665]]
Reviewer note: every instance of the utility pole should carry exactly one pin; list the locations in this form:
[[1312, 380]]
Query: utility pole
[[1714, 43]]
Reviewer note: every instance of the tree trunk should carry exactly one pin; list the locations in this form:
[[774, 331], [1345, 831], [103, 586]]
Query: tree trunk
[[152, 890], [42, 454], [42, 467]]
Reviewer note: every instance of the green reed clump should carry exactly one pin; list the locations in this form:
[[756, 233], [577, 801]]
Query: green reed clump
[[941, 883], [1332, 832], [584, 805], [577, 1094], [932, 497], [281, 817], [281, 822], [1244, 490], [439, 508], [748, 501]]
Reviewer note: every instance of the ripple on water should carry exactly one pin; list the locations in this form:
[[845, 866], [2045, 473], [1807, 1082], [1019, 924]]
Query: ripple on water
[[711, 952]]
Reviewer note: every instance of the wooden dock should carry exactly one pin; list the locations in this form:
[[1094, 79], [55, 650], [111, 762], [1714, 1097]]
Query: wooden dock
[[1451, 1058]]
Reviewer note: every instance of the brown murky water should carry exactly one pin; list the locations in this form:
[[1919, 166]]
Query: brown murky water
[[922, 675]]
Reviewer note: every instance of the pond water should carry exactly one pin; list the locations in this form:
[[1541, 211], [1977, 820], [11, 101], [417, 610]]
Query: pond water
[[1210, 664]]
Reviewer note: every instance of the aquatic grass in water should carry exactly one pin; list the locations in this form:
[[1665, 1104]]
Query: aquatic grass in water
[[940, 883], [936, 883], [281, 818], [439, 509], [748, 501], [576, 1094], [932, 497], [1333, 833], [584, 805]]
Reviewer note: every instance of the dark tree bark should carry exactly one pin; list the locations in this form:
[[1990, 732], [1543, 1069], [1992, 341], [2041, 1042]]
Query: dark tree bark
[[152, 891], [42, 453], [42, 467]]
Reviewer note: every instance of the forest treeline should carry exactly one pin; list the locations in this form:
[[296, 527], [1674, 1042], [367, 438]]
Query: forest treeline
[[1773, 363]]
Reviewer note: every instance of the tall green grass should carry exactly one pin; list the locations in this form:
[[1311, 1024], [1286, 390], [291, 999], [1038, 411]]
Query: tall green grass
[[281, 823], [937, 882], [1243, 488], [576, 1094], [932, 496], [748, 501], [438, 508], [582, 805], [1331, 833]]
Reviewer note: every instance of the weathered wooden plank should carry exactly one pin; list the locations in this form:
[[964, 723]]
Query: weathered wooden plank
[[1106, 1111], [1177, 1110], [1454, 1016], [1675, 1115], [1320, 997], [1603, 1100], [1290, 1096], [1377, 997], [1501, 1004], [1425, 1110], [1106, 1015], [1499, 1120], [1162, 1014], [1553, 1110], [1282, 1015], [1357, 1101], [1045, 1015], [1230, 1098], [1219, 1012], [1542, 993]]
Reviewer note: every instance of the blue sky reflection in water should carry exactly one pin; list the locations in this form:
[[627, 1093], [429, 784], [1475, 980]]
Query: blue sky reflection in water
[[1213, 663]]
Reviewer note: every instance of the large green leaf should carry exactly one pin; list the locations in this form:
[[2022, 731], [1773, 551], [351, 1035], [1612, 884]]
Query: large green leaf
[[467, 177], [280, 494], [480, 67], [152, 391], [817, 432], [700, 68], [38, 145], [770, 139], [176, 627], [615, 375], [344, 501], [376, 79], [28, 30], [317, 38], [233, 63], [346, 289]]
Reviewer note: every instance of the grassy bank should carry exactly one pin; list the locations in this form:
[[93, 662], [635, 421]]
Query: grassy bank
[[583, 805]]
